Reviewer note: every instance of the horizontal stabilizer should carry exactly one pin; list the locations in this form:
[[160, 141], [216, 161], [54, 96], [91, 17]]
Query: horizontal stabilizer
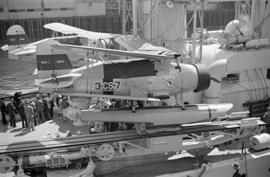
[[59, 82]]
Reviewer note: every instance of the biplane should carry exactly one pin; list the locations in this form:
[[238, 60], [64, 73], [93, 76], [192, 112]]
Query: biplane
[[149, 74]]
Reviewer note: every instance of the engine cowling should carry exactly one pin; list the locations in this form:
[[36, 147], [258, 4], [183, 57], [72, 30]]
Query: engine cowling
[[193, 77]]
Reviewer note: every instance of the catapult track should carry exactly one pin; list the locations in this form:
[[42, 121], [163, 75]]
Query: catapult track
[[100, 138]]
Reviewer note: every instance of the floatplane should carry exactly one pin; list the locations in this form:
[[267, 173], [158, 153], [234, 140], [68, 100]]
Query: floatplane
[[150, 76]]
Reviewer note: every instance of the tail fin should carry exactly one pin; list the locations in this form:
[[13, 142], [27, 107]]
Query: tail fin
[[16, 37], [51, 62]]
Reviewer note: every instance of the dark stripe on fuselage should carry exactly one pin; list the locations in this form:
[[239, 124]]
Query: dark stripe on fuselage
[[53, 62], [17, 39], [137, 68]]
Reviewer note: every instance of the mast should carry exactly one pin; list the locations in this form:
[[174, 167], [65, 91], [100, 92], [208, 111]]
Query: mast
[[194, 32], [134, 16], [124, 4]]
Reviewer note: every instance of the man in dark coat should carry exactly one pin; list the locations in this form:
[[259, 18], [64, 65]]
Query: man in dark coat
[[11, 112], [51, 103], [46, 110], [3, 112]]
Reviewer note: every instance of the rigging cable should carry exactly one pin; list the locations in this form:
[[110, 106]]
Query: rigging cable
[[264, 81], [261, 82], [254, 85], [251, 89], [247, 90], [257, 82]]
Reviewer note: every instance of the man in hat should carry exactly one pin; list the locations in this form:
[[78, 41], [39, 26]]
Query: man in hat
[[236, 168], [266, 119]]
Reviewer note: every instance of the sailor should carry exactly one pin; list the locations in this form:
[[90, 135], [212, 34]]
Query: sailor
[[3, 112], [266, 119], [236, 168], [36, 121]]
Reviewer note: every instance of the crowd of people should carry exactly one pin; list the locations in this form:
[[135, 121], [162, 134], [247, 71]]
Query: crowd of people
[[31, 111]]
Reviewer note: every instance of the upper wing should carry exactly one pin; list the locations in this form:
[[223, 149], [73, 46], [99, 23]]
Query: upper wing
[[138, 53], [130, 42], [69, 30], [136, 43]]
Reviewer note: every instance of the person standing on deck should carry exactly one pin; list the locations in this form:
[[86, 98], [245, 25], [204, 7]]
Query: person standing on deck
[[266, 119], [39, 108], [46, 108], [29, 113], [22, 114], [11, 111], [36, 122], [51, 103], [236, 168], [17, 100], [3, 112]]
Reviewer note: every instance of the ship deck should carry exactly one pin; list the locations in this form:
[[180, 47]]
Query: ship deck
[[10, 135], [158, 165]]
